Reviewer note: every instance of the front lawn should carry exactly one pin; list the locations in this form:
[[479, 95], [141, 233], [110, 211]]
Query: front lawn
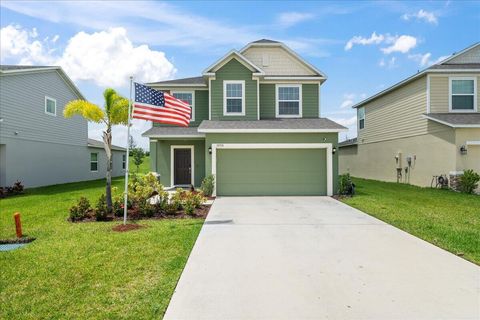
[[86, 270], [445, 218]]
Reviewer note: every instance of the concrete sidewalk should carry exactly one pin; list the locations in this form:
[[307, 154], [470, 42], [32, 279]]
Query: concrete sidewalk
[[316, 258]]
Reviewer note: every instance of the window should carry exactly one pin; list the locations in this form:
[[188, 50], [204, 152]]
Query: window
[[187, 97], [94, 162], [289, 101], [50, 106], [234, 98], [124, 161], [463, 94], [361, 118]]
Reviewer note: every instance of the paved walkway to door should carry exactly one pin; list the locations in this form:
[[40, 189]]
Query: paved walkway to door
[[316, 258]]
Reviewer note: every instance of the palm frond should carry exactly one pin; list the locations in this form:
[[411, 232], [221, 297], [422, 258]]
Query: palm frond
[[86, 109]]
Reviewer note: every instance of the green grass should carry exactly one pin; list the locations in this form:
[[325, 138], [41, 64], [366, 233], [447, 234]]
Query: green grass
[[445, 218], [85, 270], [143, 168]]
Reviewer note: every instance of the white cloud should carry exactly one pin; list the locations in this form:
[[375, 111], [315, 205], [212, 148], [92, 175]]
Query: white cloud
[[347, 122], [374, 39], [350, 98], [424, 59], [389, 63], [402, 44], [107, 58], [288, 19], [424, 15]]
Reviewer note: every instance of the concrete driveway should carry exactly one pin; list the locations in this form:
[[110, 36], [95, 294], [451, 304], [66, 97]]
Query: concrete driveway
[[316, 258]]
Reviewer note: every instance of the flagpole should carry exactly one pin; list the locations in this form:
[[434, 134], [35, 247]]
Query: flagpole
[[125, 204]]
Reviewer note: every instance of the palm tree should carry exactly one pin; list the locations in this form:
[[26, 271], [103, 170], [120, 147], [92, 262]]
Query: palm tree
[[114, 113]]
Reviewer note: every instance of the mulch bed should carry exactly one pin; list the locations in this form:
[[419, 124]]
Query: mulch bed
[[127, 227], [24, 239]]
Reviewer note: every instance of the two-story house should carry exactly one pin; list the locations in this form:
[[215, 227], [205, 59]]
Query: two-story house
[[38, 146], [256, 126], [424, 126]]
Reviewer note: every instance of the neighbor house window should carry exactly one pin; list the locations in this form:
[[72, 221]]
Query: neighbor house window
[[93, 161], [188, 97], [234, 98], [463, 94], [124, 161], [289, 101], [50, 106], [361, 118]]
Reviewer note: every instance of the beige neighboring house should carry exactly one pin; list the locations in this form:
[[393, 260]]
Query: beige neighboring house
[[424, 126]]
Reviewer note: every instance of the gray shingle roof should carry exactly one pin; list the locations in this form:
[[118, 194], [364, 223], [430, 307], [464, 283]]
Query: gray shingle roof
[[349, 142], [456, 119], [265, 41], [6, 67], [455, 66], [276, 124], [172, 131], [182, 81], [99, 144]]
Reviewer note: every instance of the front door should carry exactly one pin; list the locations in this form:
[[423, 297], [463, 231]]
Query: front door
[[182, 166]]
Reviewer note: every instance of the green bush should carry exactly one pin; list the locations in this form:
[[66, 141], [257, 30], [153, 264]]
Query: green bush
[[81, 210], [469, 181], [101, 210], [208, 184], [345, 185], [197, 199], [140, 189], [188, 205]]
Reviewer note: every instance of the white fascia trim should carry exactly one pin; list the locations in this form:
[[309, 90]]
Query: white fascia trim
[[300, 109], [225, 82], [474, 79], [32, 70], [293, 53], [240, 58], [293, 78], [452, 125], [210, 97], [175, 136], [327, 146], [172, 162], [192, 92], [473, 143], [271, 130]]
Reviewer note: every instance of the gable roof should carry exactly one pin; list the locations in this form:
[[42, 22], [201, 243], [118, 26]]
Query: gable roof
[[232, 54], [456, 120], [272, 43], [19, 69], [442, 66], [192, 81], [99, 144], [348, 142]]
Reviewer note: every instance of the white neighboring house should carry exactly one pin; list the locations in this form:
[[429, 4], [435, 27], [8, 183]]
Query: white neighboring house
[[38, 146]]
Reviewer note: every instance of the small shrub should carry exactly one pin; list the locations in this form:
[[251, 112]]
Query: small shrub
[[81, 210], [188, 205], [345, 185], [17, 187], [177, 198], [101, 210], [208, 185], [171, 208], [146, 209], [197, 198], [469, 181]]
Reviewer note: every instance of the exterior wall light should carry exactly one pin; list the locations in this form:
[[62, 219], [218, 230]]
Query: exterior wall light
[[334, 150], [463, 150], [210, 150]]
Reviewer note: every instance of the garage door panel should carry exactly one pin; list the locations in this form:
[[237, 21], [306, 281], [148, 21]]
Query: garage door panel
[[271, 172]]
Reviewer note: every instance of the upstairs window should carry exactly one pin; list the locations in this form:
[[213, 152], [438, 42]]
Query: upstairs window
[[361, 118], [234, 98], [124, 161], [187, 97], [50, 106], [94, 162], [463, 94], [289, 101]]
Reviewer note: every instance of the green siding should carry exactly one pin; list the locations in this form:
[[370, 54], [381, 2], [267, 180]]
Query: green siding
[[201, 109], [273, 138], [310, 101], [280, 172], [161, 158], [234, 70]]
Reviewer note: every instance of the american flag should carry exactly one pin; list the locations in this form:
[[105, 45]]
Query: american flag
[[157, 106]]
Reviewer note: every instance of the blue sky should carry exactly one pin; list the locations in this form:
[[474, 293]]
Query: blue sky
[[363, 47]]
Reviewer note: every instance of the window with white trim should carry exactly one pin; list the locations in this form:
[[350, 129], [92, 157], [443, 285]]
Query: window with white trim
[[289, 101], [50, 106], [234, 98], [463, 94], [94, 162], [361, 117], [124, 161], [188, 97]]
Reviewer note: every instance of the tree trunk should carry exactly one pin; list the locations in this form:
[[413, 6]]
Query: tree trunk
[[107, 140]]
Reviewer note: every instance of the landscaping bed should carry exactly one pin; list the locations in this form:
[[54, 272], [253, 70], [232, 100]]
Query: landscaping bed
[[447, 219]]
